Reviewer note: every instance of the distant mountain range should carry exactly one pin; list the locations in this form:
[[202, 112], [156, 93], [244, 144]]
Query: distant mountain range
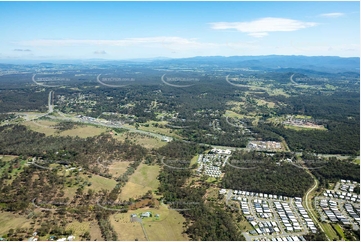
[[267, 62], [319, 63]]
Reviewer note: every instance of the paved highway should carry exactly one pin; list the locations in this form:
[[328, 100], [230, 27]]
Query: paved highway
[[309, 207], [293, 82], [62, 117], [50, 107]]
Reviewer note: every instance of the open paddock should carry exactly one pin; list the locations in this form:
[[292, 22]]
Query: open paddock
[[141, 181]]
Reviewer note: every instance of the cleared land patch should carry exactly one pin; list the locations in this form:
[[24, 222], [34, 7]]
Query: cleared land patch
[[141, 181], [127, 230], [261, 102], [305, 127], [9, 220], [170, 228], [42, 126], [118, 168], [47, 127], [233, 114], [99, 182], [84, 131], [140, 139], [7, 157], [78, 228], [163, 131], [167, 227], [95, 232]]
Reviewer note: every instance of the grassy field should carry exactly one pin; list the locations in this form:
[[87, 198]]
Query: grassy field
[[150, 143], [7, 157], [339, 230], [163, 131], [81, 228], [145, 141], [331, 233], [253, 115], [95, 233], [84, 131], [299, 116], [7, 165], [42, 126], [212, 192], [304, 127], [14, 172], [12, 221], [277, 92], [167, 227], [78, 228], [146, 175], [194, 160], [236, 106], [211, 180], [232, 114], [128, 230], [70, 192], [142, 180], [46, 127], [99, 182], [118, 167], [245, 225], [261, 102]]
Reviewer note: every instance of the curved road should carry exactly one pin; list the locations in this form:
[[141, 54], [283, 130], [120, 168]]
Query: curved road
[[291, 79], [242, 85], [309, 207]]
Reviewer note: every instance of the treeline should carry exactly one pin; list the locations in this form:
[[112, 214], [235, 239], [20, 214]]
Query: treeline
[[333, 170], [66, 125], [257, 172], [337, 106], [204, 221], [106, 228], [340, 138], [5, 116], [22, 99], [18, 140], [339, 112], [179, 149]]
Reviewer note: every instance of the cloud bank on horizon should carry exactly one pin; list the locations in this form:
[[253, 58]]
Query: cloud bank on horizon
[[125, 30], [261, 27]]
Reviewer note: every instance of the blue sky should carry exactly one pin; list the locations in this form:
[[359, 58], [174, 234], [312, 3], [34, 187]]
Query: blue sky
[[123, 30]]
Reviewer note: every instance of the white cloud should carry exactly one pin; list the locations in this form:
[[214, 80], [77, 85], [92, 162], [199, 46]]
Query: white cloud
[[332, 15], [99, 52], [258, 35], [261, 27], [20, 50], [121, 42]]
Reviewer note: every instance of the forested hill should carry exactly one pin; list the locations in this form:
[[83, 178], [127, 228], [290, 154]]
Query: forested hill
[[319, 63]]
